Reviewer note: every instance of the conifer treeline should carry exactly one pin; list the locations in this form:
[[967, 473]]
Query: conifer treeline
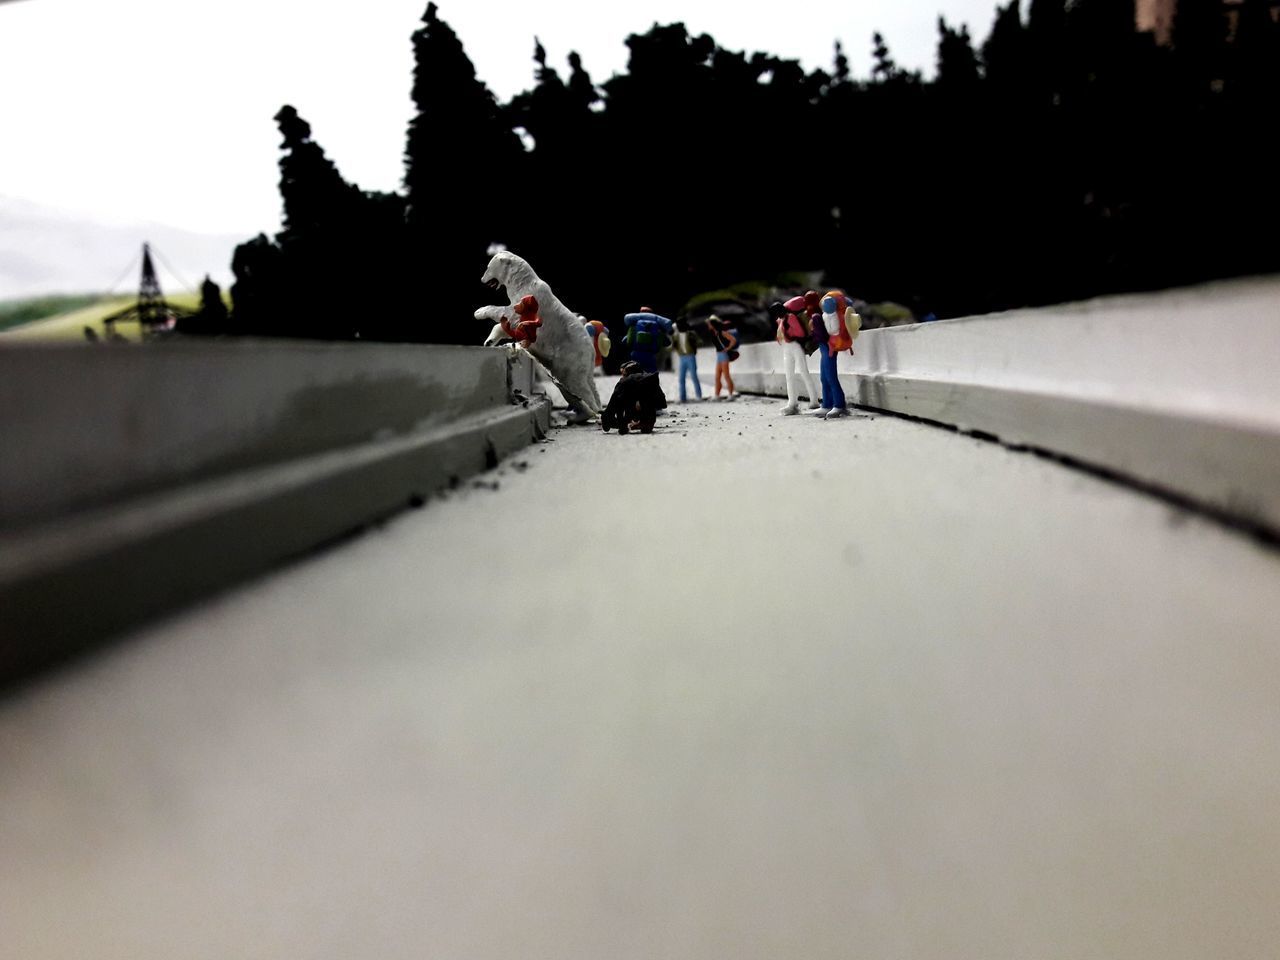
[[1064, 157]]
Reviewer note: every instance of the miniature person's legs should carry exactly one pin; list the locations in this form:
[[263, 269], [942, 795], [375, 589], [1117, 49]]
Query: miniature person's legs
[[793, 357], [838, 400], [830, 384], [789, 371], [687, 369], [648, 362], [693, 372], [831, 389], [721, 367], [728, 379], [810, 390]]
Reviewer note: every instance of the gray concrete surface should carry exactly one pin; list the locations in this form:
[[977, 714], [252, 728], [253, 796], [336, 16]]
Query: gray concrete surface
[[84, 426], [751, 686], [135, 480], [1169, 388]]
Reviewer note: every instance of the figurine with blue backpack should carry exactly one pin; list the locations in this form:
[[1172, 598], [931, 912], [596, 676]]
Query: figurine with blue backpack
[[647, 334]]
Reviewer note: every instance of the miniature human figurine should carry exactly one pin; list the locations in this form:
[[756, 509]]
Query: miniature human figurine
[[726, 339], [647, 333], [686, 346], [599, 339], [841, 324], [562, 347], [524, 330], [793, 336], [635, 403], [809, 305]]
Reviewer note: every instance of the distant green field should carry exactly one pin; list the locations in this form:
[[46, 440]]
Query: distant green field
[[14, 313], [69, 322]]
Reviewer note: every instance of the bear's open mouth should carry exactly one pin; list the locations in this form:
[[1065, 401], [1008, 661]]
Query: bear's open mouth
[[493, 283]]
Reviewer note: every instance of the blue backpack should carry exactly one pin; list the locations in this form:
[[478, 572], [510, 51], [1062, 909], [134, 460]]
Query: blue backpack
[[646, 336]]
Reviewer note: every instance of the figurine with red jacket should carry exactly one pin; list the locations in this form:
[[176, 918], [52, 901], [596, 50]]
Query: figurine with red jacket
[[795, 339], [524, 329]]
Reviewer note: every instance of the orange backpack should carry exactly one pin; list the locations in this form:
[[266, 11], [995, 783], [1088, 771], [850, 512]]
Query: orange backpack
[[842, 339]]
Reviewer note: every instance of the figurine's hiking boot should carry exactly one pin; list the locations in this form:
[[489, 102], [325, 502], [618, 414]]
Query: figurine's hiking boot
[[836, 413], [790, 409]]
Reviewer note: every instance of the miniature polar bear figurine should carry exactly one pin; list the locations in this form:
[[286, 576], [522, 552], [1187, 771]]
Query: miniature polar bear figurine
[[563, 347]]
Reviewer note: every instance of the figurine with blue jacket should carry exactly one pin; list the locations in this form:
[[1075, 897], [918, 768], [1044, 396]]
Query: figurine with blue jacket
[[647, 334]]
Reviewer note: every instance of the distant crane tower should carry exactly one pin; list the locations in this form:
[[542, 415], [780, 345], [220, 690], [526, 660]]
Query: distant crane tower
[[151, 306], [152, 312]]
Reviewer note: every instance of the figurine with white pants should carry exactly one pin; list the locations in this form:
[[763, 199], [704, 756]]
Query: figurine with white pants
[[793, 337]]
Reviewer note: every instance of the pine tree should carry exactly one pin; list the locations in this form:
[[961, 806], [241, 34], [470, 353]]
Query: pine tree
[[258, 293], [460, 157], [315, 196], [957, 63], [212, 316], [582, 91], [1004, 54], [883, 68], [841, 73]]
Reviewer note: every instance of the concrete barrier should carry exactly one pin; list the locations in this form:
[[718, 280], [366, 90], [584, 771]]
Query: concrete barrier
[[1176, 390], [136, 479]]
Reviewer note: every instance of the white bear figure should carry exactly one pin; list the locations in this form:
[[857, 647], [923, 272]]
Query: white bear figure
[[563, 347]]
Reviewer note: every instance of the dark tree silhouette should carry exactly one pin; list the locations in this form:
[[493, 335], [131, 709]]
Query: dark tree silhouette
[[461, 161], [1004, 57], [1071, 157], [258, 293], [314, 281], [957, 63], [883, 67], [558, 119], [211, 319]]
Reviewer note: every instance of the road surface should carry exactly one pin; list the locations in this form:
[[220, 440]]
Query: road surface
[[751, 686]]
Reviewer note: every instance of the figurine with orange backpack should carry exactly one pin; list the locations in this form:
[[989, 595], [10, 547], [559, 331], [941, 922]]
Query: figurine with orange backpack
[[599, 334], [839, 325]]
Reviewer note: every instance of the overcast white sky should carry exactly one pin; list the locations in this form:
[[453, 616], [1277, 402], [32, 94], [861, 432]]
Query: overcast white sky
[[160, 110]]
